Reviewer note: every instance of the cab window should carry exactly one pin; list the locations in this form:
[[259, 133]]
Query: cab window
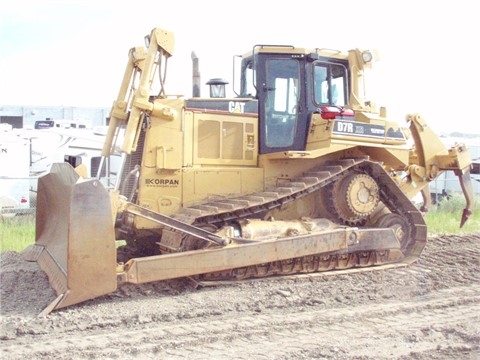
[[329, 81]]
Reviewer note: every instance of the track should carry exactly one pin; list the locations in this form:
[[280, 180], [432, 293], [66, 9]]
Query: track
[[403, 214]]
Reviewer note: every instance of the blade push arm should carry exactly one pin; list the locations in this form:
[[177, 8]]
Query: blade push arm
[[134, 98]]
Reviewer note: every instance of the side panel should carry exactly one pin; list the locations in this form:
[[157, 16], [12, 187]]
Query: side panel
[[160, 191], [224, 140], [160, 181]]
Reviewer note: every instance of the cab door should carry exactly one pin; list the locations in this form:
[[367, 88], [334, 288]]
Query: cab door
[[283, 123]]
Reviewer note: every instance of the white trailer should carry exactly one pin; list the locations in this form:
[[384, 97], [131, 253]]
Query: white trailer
[[14, 174]]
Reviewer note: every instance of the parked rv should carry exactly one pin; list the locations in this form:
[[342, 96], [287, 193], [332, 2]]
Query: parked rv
[[14, 173]]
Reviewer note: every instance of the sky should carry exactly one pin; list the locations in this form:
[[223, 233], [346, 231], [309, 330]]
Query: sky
[[73, 53]]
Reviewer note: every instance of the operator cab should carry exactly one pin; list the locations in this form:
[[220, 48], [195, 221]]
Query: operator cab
[[291, 84]]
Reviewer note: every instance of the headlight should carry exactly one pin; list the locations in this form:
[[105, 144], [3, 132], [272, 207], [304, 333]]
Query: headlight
[[367, 56]]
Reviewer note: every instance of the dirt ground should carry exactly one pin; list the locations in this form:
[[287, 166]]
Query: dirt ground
[[430, 310]]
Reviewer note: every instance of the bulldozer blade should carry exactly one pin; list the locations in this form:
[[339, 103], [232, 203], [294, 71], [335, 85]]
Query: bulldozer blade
[[75, 239]]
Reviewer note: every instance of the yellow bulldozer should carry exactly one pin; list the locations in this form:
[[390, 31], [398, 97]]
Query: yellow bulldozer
[[296, 173]]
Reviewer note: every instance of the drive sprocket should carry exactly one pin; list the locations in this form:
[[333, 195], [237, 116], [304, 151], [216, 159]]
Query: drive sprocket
[[352, 198]]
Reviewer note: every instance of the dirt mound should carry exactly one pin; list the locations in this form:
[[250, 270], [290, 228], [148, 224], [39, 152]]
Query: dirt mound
[[24, 286]]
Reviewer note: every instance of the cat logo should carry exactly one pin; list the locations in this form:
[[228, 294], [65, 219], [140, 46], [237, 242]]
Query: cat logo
[[236, 107]]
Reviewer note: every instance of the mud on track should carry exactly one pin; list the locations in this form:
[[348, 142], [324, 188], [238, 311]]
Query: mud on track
[[430, 310]]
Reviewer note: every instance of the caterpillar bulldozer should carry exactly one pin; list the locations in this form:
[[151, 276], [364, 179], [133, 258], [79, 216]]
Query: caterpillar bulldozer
[[296, 173]]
